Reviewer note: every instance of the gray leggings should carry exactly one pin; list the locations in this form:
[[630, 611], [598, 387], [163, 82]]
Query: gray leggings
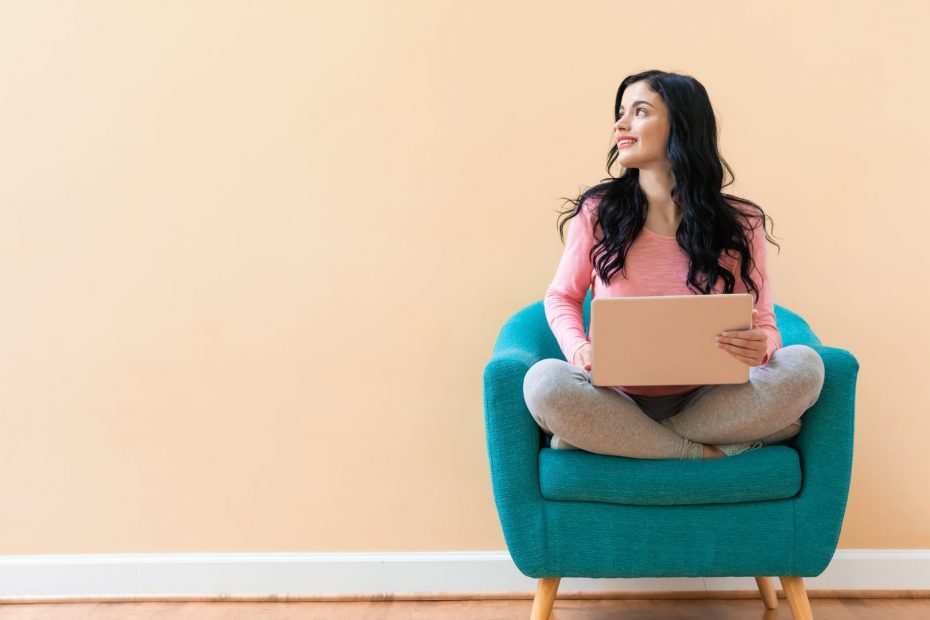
[[562, 400]]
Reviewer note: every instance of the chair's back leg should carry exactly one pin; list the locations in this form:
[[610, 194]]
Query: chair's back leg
[[767, 588]]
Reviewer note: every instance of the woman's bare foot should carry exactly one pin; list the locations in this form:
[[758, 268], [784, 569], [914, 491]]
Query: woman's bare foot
[[711, 452]]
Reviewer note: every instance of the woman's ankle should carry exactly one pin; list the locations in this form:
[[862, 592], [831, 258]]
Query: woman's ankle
[[712, 452]]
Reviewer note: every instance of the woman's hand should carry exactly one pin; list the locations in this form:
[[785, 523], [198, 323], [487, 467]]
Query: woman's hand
[[583, 357], [748, 346]]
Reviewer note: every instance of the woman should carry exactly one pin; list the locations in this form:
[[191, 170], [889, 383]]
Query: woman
[[663, 227]]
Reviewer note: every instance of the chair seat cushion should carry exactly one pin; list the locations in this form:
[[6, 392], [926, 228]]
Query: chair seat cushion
[[768, 473]]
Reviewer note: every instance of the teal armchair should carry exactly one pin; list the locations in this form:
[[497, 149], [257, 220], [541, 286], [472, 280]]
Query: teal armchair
[[776, 510]]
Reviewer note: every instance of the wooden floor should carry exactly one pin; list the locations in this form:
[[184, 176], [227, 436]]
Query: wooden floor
[[823, 608]]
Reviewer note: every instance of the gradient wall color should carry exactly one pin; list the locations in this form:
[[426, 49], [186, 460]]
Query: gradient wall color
[[254, 255]]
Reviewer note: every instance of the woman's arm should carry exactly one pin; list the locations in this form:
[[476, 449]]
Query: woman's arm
[[565, 296], [765, 317]]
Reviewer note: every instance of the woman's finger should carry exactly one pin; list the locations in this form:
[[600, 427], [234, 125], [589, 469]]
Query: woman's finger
[[736, 347], [743, 358], [754, 335], [743, 351]]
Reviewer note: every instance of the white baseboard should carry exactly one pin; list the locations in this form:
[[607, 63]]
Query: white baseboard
[[309, 576]]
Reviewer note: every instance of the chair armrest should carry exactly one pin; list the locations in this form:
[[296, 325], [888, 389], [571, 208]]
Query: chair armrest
[[794, 329], [825, 445], [513, 452]]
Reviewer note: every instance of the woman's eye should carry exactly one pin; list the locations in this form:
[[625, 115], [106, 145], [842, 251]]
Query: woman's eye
[[637, 109]]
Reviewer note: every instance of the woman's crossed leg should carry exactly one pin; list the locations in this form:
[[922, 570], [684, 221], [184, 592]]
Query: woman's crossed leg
[[562, 400]]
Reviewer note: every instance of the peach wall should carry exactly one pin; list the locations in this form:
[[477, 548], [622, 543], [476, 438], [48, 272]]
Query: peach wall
[[254, 256]]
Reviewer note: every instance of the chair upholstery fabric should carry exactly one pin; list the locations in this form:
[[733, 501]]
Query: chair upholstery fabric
[[576, 475], [777, 510]]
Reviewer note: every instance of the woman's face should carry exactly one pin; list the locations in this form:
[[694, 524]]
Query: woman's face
[[643, 117]]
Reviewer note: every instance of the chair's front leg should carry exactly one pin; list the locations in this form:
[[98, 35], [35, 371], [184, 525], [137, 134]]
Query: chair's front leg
[[767, 588], [546, 587], [797, 598]]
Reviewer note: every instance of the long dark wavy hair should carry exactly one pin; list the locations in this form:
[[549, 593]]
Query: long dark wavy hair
[[710, 225]]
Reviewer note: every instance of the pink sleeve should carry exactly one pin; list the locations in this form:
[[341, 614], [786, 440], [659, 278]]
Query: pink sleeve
[[765, 317], [565, 296]]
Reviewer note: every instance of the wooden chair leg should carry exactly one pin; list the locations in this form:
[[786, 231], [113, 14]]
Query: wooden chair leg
[[767, 588], [546, 587], [797, 598]]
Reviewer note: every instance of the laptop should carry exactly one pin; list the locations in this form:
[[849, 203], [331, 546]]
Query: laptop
[[666, 340]]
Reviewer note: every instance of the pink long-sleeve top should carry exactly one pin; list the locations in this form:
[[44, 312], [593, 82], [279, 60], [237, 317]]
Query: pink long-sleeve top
[[655, 265]]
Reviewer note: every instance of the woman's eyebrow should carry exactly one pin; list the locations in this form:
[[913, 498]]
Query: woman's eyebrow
[[641, 101]]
